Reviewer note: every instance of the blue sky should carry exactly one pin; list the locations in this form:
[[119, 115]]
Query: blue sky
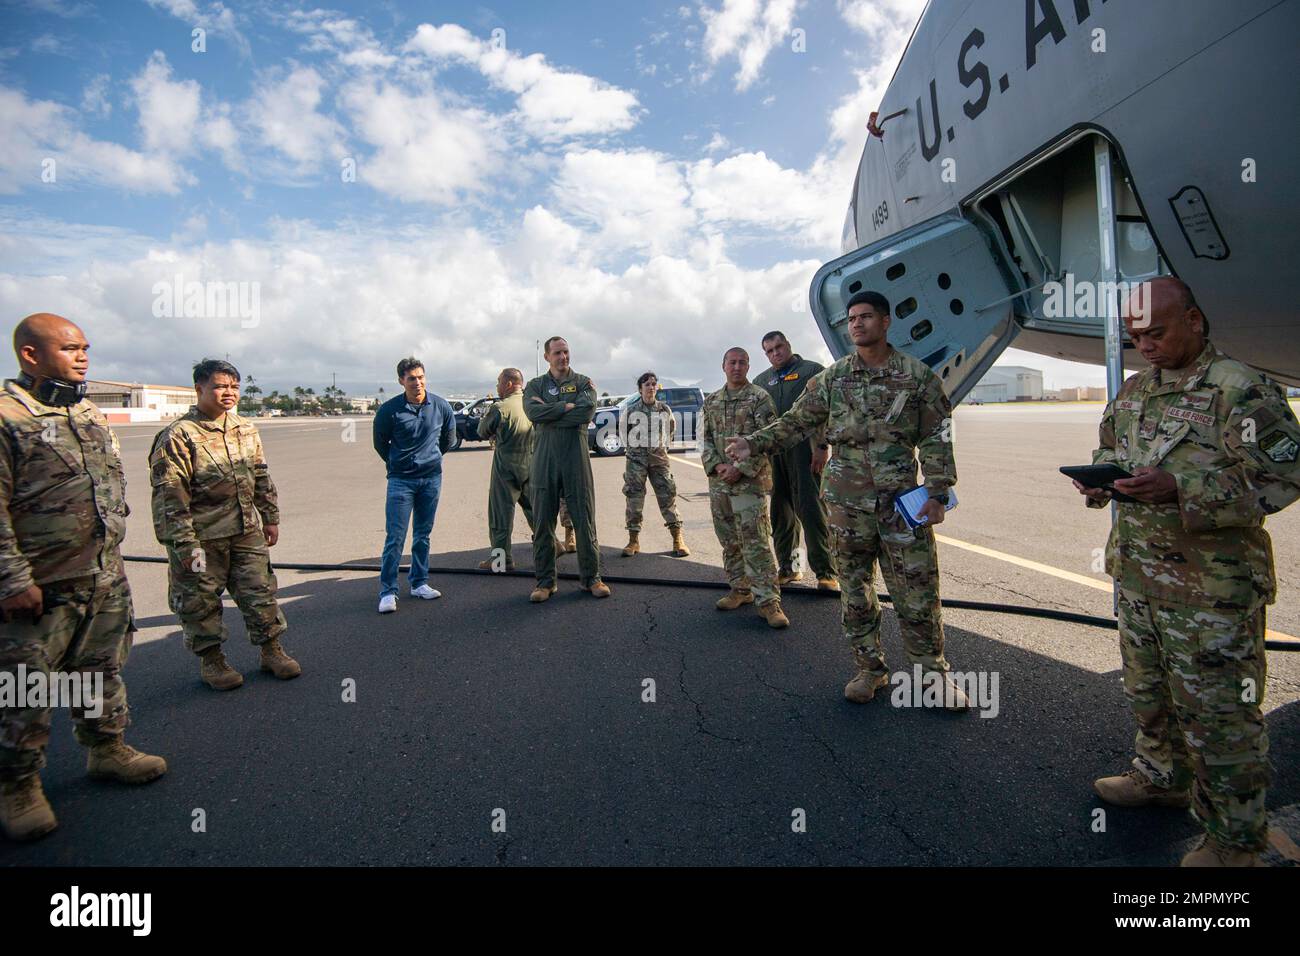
[[654, 181]]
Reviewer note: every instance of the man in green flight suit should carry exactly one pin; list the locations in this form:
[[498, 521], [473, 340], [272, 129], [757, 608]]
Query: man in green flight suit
[[1212, 446], [560, 404], [512, 461]]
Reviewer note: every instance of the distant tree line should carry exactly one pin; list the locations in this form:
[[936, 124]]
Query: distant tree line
[[302, 399]]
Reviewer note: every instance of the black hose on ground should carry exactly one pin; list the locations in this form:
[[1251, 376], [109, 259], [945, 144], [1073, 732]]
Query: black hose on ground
[[1051, 614]]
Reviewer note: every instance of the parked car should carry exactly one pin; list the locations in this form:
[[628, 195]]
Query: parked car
[[606, 437], [467, 419]]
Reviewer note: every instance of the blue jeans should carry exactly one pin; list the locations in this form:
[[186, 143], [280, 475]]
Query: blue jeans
[[407, 495]]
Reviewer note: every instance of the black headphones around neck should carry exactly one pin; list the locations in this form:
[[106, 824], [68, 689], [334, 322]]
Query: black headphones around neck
[[52, 391]]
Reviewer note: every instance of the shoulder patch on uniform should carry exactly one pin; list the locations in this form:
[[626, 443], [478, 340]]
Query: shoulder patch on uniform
[[1280, 447]]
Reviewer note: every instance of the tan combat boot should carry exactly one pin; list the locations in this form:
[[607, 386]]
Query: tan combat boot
[[541, 594], [633, 544], [734, 600], [216, 670], [570, 541], [1210, 852], [277, 662], [598, 589], [115, 760], [786, 576], [1133, 789], [954, 698], [773, 614], [862, 688], [679, 543], [490, 565], [827, 584], [25, 814]]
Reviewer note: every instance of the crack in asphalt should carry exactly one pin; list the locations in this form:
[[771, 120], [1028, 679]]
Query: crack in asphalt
[[849, 778], [502, 849], [699, 708], [653, 626], [1032, 598]]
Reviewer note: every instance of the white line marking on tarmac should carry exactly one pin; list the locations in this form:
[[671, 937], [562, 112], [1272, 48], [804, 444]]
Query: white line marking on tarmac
[[687, 461]]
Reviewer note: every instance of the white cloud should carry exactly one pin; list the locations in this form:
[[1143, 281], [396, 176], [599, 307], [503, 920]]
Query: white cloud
[[748, 30], [94, 98], [552, 103], [175, 123], [215, 18], [751, 188], [351, 41], [717, 144], [424, 150], [352, 301], [40, 130], [635, 199], [285, 112], [168, 110]]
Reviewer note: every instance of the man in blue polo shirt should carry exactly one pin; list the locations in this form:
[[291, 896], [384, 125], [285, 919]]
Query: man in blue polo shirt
[[412, 430]]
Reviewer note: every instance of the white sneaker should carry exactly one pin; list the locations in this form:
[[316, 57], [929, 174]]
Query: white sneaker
[[388, 604], [426, 592]]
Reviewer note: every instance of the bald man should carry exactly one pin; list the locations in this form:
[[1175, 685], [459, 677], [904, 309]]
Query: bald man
[[63, 591], [1212, 445]]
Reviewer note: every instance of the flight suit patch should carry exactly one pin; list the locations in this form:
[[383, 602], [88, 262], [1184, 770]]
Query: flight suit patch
[[568, 388]]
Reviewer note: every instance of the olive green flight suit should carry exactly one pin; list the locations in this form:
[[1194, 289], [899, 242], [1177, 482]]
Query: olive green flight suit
[[562, 469], [512, 461]]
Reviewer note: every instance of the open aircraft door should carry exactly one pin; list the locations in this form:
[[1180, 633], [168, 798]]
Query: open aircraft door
[[951, 299]]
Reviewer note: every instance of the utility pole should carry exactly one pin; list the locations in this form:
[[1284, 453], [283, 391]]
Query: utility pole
[[537, 357]]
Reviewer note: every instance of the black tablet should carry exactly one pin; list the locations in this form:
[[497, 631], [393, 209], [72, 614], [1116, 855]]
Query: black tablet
[[1098, 476]]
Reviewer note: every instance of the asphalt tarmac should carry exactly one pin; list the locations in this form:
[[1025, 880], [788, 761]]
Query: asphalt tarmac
[[648, 728]]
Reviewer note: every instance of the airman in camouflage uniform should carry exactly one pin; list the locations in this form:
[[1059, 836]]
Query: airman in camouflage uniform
[[512, 459], [880, 409], [649, 427], [63, 590], [1212, 444], [738, 493], [215, 509]]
